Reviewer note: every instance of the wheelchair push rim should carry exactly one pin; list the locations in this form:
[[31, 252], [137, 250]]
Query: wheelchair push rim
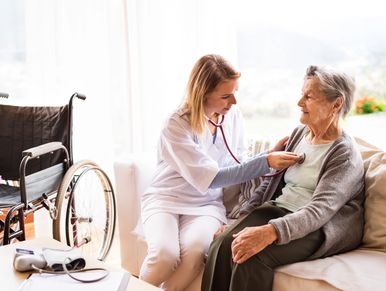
[[86, 210]]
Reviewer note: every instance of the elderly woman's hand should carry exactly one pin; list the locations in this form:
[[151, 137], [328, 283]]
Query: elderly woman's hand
[[280, 145], [252, 240]]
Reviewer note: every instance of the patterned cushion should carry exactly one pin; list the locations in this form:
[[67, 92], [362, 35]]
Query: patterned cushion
[[236, 197]]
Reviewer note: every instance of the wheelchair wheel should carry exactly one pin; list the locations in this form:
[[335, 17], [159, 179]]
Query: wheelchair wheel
[[86, 210], [14, 225]]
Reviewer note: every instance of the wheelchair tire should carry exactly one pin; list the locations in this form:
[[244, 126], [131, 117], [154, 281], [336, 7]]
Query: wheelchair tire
[[86, 210], [15, 226]]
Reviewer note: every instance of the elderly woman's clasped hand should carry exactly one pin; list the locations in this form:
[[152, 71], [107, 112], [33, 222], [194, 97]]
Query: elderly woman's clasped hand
[[251, 240]]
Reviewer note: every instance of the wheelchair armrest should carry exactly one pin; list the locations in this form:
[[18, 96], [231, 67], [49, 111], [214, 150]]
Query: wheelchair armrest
[[43, 149]]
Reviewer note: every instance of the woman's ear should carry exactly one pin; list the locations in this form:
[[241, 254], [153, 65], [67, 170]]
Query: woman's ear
[[338, 104]]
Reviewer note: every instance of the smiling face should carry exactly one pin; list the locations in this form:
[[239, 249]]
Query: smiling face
[[221, 99], [316, 109]]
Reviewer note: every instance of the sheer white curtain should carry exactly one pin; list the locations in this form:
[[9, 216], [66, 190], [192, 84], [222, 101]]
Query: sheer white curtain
[[131, 58], [165, 38], [78, 46]]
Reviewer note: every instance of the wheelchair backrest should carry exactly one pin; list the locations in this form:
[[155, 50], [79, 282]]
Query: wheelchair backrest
[[22, 128]]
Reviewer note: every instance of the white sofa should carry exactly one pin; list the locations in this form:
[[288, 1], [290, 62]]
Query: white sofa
[[361, 269]]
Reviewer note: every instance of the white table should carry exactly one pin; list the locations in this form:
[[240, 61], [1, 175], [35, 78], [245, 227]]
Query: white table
[[10, 279]]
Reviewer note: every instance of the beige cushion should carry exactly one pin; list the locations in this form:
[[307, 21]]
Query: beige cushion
[[357, 270], [375, 204]]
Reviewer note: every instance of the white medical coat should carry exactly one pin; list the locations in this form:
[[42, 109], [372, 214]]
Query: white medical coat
[[187, 165]]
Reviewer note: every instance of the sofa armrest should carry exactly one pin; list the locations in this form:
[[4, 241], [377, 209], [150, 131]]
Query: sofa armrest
[[132, 176]]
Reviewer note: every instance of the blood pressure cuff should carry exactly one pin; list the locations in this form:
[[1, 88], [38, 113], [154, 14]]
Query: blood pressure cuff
[[72, 258]]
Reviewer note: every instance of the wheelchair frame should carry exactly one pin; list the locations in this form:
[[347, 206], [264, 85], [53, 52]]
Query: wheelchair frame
[[65, 196]]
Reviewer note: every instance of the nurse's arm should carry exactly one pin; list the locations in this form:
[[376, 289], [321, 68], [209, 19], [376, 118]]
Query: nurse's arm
[[237, 174], [253, 168]]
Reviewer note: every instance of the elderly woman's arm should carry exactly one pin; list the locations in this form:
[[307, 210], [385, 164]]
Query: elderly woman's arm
[[341, 181]]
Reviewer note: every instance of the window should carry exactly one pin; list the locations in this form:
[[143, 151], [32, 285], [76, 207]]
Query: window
[[278, 40]]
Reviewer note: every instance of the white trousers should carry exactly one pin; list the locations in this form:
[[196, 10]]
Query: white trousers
[[177, 245]]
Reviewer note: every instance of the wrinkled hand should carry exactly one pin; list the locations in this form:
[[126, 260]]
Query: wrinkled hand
[[282, 160], [280, 145], [220, 230], [252, 240]]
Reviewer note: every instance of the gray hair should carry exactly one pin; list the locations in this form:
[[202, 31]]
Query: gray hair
[[334, 84]]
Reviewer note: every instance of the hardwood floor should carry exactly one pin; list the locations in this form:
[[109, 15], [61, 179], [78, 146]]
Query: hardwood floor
[[29, 230], [29, 224]]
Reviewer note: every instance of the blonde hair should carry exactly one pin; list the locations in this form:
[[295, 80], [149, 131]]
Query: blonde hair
[[207, 73]]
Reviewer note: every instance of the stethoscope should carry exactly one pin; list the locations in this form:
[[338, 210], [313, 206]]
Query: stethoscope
[[219, 125]]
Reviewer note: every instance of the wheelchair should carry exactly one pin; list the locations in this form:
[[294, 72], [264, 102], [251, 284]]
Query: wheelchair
[[37, 171]]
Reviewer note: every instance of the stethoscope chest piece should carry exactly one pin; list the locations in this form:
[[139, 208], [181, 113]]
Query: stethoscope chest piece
[[302, 158]]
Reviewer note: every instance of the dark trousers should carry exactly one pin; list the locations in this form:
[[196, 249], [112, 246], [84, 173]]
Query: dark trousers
[[222, 274]]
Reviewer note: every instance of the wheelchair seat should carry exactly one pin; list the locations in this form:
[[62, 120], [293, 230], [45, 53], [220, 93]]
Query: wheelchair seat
[[44, 181], [9, 195]]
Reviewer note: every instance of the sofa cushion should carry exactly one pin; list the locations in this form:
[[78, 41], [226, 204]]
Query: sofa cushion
[[355, 270], [375, 203]]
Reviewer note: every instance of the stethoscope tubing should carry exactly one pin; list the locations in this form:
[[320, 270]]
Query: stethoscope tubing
[[219, 125], [274, 174]]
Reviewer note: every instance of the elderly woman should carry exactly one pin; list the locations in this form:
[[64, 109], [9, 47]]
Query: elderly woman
[[312, 210]]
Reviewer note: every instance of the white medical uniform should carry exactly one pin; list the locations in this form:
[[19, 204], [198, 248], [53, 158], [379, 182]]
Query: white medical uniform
[[187, 165], [178, 197]]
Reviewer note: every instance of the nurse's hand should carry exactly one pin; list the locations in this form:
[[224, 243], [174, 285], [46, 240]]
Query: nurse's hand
[[282, 160], [220, 230], [280, 145]]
